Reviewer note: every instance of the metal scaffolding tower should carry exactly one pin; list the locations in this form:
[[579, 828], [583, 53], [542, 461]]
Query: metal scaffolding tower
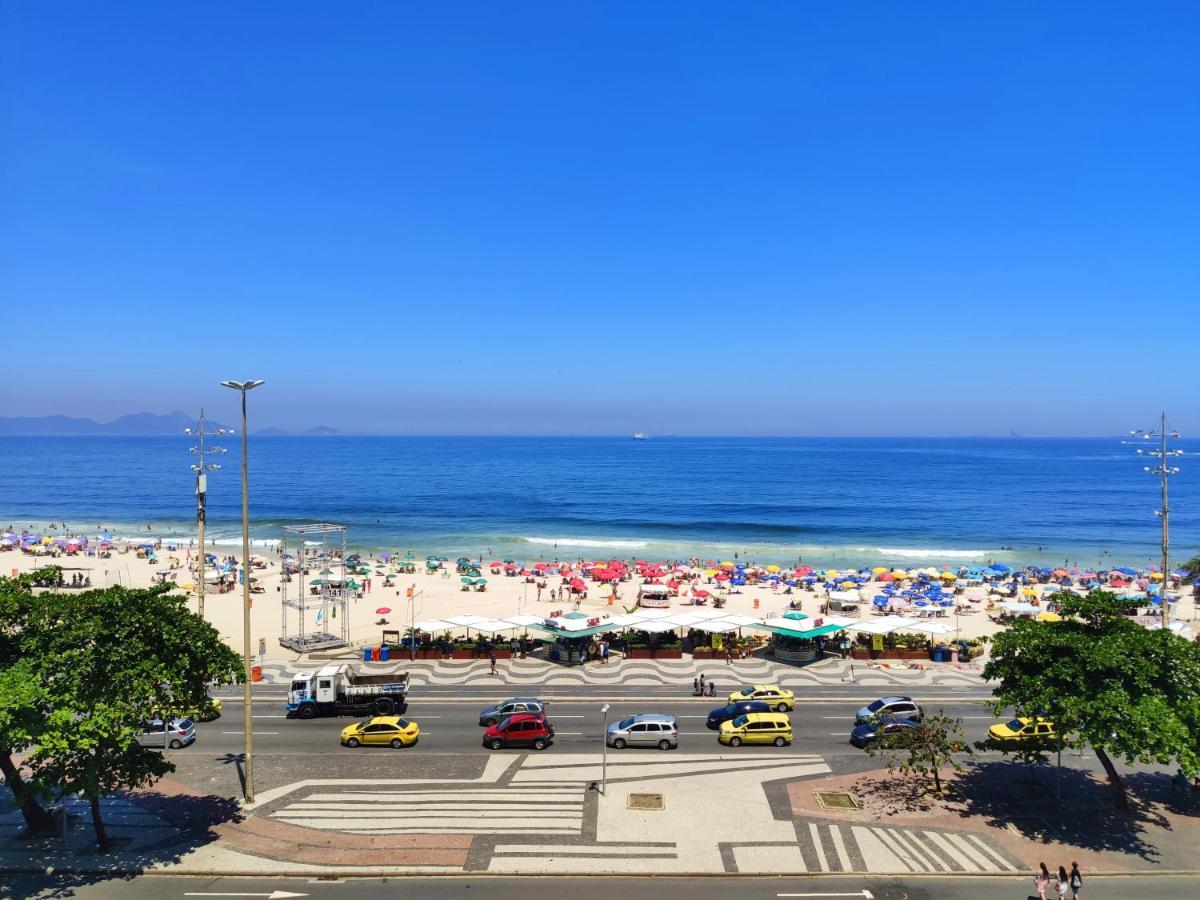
[[314, 584]]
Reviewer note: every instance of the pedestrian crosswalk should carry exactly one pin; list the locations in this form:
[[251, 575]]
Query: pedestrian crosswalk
[[888, 849], [516, 809]]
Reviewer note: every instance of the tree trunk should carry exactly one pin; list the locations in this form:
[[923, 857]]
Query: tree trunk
[[1120, 798], [37, 819], [98, 824]]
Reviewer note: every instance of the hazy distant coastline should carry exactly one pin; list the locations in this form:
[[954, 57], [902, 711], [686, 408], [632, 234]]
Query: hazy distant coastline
[[134, 425]]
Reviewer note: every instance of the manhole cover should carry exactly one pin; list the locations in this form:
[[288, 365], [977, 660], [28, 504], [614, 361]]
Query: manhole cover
[[646, 801], [835, 800]]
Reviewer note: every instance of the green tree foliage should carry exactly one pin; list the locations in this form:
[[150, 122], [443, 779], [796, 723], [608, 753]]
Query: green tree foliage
[[933, 745], [105, 660], [1104, 681]]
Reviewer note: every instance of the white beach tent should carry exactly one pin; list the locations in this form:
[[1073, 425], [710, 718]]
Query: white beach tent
[[658, 627], [524, 619], [717, 626], [886, 625], [742, 621], [495, 626], [432, 625], [1019, 609], [466, 620], [1181, 628], [932, 628]]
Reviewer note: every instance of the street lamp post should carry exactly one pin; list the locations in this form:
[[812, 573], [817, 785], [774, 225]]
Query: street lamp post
[[202, 469], [248, 721], [1164, 470], [604, 754]]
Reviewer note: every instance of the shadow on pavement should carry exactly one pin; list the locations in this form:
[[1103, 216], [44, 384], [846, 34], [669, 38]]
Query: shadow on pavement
[[1006, 796], [186, 822]]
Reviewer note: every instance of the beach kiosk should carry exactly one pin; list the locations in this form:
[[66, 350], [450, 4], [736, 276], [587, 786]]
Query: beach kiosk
[[654, 596]]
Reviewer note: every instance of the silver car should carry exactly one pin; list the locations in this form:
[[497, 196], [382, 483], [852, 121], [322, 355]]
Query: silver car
[[890, 707], [645, 730], [175, 734]]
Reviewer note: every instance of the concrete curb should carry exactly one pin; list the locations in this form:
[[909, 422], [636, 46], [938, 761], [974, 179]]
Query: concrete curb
[[391, 872]]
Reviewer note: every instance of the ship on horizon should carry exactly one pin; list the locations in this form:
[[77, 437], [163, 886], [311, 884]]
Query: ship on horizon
[[641, 436]]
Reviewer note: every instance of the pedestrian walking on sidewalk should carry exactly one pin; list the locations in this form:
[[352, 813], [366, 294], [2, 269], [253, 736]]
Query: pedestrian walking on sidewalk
[[1061, 883], [1041, 881], [1076, 881], [492, 659], [728, 653], [701, 685], [695, 687]]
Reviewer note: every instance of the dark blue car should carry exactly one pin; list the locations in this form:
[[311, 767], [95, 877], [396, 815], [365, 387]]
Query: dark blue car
[[733, 710], [870, 731]]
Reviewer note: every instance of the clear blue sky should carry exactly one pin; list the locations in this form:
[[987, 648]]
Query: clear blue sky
[[797, 218]]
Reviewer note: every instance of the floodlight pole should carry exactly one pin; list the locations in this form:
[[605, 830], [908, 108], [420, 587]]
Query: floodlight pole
[[248, 720], [202, 469], [1164, 470]]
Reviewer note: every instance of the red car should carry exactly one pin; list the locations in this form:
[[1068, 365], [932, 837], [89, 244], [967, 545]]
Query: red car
[[520, 730]]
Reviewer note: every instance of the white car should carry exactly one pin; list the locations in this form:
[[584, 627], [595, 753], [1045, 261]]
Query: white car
[[176, 734]]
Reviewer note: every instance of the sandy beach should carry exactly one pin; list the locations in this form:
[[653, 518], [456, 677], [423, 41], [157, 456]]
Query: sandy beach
[[440, 595]]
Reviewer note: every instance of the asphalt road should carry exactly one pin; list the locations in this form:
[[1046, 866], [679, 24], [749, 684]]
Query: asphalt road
[[456, 888], [449, 717]]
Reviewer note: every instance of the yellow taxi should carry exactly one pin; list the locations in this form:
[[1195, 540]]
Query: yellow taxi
[[381, 731], [772, 694], [1023, 728], [208, 710], [756, 728]]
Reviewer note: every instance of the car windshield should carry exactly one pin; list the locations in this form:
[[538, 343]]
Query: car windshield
[[1016, 724], [626, 723], [746, 692], [740, 721], [364, 723], [403, 723], [504, 723], [876, 706]]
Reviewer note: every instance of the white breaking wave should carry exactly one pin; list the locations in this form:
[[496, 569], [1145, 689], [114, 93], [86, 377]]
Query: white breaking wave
[[922, 552], [588, 542]]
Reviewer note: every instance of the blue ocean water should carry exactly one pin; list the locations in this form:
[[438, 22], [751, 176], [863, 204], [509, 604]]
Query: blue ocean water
[[828, 501]]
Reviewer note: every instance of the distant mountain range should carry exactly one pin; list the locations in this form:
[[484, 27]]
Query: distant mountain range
[[136, 425]]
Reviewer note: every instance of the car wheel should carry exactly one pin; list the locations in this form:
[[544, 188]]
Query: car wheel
[[780, 742], [782, 707], [352, 743], [619, 744], [383, 707], [664, 745], [489, 722], [539, 744], [735, 742], [175, 745], [496, 744], [397, 743], [308, 711]]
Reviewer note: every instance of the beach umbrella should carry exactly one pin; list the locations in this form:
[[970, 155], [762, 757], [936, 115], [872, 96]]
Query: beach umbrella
[[383, 610]]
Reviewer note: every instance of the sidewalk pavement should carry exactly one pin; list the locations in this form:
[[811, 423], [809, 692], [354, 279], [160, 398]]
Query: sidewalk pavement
[[669, 813]]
